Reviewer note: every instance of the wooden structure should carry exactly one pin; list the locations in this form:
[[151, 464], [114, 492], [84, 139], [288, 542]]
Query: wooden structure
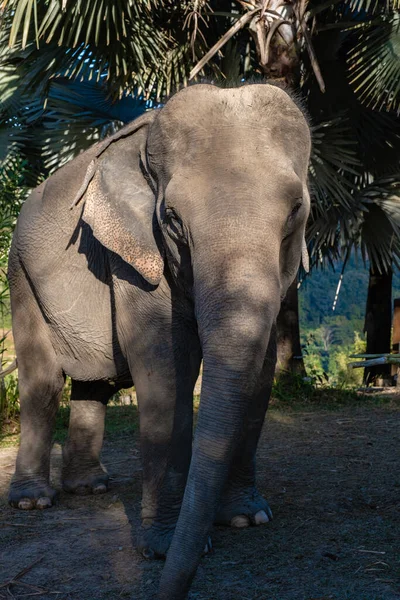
[[372, 360], [393, 358]]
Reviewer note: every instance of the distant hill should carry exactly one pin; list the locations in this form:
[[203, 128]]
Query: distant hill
[[317, 294]]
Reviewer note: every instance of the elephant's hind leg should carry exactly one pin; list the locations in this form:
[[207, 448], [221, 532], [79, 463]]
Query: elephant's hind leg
[[40, 385], [82, 471]]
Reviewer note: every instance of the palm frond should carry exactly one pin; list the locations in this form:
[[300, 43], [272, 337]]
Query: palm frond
[[13, 188], [373, 229], [374, 63], [334, 163], [74, 19], [377, 235], [378, 135], [102, 38], [370, 6], [385, 193], [76, 114], [379, 241], [335, 173]]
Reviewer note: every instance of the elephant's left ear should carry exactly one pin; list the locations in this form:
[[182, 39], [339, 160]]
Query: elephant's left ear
[[120, 205]]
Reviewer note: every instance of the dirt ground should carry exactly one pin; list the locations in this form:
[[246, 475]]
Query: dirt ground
[[333, 483]]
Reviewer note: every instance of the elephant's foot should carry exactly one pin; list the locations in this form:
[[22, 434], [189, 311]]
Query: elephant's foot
[[27, 494], [153, 542], [85, 481], [242, 509]]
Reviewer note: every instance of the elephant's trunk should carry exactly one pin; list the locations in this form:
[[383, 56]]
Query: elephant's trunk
[[235, 310]]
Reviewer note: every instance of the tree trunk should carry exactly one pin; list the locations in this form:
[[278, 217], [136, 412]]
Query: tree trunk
[[378, 321], [290, 359]]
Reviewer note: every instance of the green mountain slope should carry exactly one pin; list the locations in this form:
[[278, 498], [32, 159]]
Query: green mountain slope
[[329, 336]]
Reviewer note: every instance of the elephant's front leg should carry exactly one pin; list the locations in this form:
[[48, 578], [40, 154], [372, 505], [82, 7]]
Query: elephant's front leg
[[241, 504], [164, 375]]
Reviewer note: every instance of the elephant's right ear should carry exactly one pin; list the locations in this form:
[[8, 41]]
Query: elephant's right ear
[[120, 205]]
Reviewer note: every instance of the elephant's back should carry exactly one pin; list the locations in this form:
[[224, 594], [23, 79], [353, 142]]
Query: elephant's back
[[57, 193], [49, 234]]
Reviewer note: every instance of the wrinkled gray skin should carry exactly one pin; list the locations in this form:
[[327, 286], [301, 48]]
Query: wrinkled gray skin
[[184, 242]]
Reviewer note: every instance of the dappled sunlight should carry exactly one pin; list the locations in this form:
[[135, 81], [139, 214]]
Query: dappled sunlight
[[279, 417]]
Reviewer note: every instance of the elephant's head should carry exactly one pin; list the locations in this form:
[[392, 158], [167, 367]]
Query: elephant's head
[[216, 184]]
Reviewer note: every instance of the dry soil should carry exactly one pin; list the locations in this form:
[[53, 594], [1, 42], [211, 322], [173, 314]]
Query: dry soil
[[332, 480]]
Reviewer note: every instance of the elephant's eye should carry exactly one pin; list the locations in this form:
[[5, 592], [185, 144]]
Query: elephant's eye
[[174, 223], [295, 209], [291, 220]]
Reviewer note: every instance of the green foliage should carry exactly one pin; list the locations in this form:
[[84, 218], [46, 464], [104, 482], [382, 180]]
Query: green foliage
[[121, 421], [12, 193], [296, 394], [66, 393], [329, 337], [80, 37], [338, 366], [293, 388], [9, 399], [302, 393]]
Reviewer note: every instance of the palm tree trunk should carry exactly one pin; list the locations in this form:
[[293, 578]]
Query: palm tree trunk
[[378, 321], [290, 359]]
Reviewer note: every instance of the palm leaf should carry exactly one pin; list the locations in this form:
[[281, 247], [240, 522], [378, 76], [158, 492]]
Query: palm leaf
[[378, 135], [342, 9], [117, 39], [93, 19], [335, 174], [379, 241], [374, 64], [385, 193], [373, 229], [76, 114], [377, 234], [334, 163], [368, 6]]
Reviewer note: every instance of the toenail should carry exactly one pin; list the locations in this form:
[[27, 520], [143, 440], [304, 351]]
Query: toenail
[[100, 489], [25, 504], [240, 521], [43, 502], [261, 517]]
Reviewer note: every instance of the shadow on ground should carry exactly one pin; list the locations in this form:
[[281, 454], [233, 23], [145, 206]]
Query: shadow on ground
[[333, 482]]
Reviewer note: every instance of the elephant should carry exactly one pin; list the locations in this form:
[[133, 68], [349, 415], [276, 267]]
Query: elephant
[[166, 244]]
